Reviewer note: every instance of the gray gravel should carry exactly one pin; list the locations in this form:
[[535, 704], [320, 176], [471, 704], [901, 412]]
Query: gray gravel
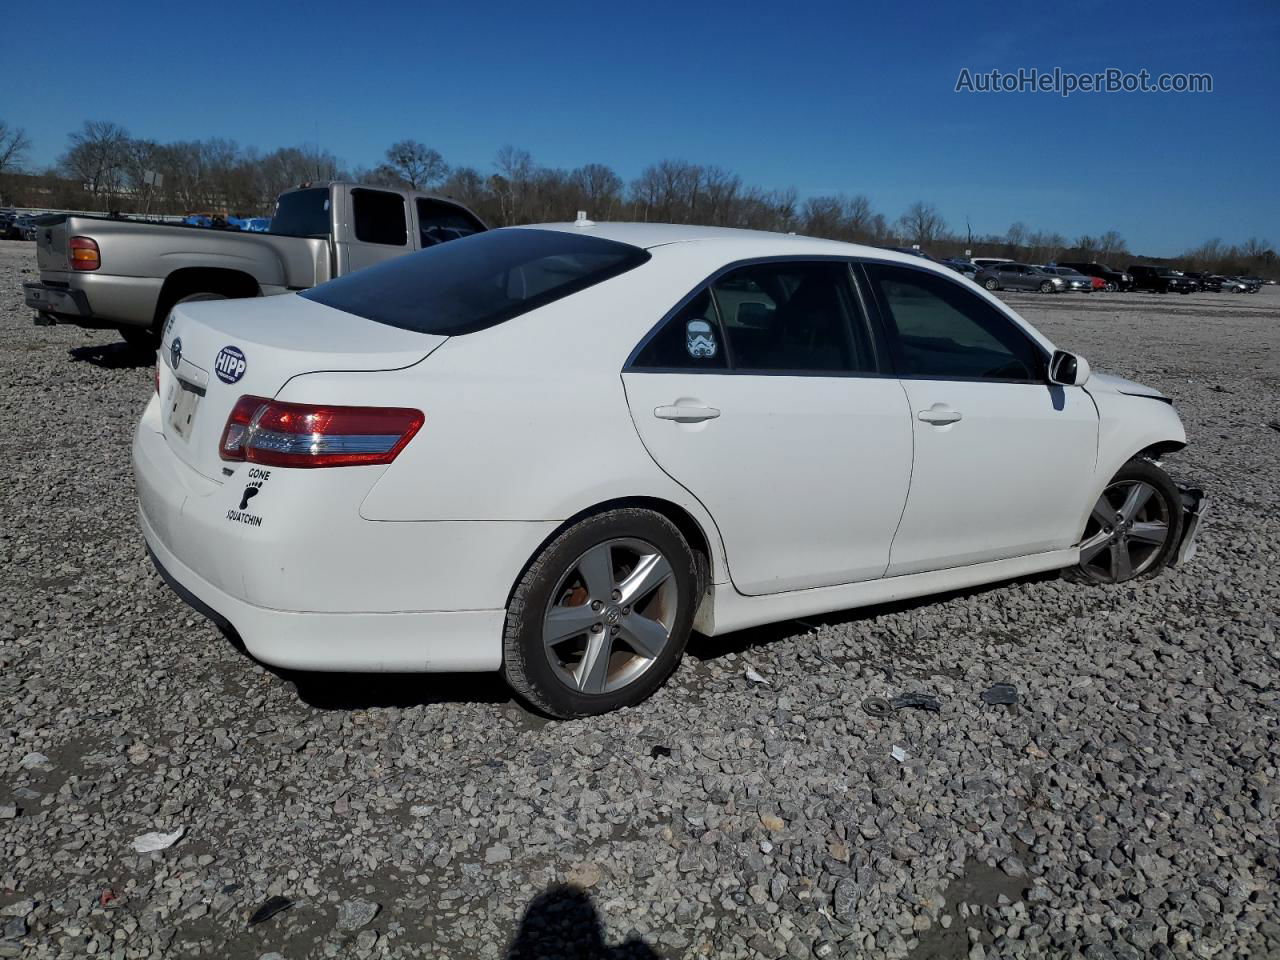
[[1126, 807]]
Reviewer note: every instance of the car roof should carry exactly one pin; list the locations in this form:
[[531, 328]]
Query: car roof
[[651, 235]]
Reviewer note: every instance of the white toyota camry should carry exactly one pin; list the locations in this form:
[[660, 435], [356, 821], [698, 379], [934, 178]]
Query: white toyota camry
[[555, 451]]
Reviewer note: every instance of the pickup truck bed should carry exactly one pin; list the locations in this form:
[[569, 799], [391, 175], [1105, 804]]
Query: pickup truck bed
[[129, 273]]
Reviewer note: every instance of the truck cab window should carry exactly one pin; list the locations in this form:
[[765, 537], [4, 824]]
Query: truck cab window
[[379, 217], [439, 222]]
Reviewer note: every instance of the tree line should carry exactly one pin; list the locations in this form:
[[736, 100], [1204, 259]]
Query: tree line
[[104, 168]]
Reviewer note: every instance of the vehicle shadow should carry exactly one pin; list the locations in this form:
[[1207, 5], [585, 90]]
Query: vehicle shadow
[[562, 923], [704, 648], [113, 356]]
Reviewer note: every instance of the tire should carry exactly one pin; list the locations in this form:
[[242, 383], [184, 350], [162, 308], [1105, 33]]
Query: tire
[[557, 678], [1046, 287], [1109, 288], [148, 338], [1111, 551], [141, 339], [991, 283]]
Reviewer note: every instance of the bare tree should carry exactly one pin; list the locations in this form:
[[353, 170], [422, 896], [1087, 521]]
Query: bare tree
[[98, 155], [13, 147], [418, 165], [922, 223]]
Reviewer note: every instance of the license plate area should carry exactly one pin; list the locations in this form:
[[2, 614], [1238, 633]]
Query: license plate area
[[183, 405]]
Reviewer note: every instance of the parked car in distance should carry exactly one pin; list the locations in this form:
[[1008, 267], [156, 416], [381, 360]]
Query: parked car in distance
[[128, 274], [966, 267], [983, 262], [1074, 279], [1207, 281], [1019, 276], [1161, 279], [20, 226], [330, 473], [1255, 283], [1232, 285], [1112, 279]]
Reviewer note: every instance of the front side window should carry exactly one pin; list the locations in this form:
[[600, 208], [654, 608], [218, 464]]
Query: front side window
[[439, 222], [945, 331], [478, 281], [379, 217], [793, 316]]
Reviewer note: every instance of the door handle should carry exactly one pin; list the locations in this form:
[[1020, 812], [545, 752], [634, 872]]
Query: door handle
[[940, 414], [685, 414]]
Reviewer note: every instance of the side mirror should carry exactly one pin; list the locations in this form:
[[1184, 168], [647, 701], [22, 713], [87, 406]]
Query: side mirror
[[1068, 370]]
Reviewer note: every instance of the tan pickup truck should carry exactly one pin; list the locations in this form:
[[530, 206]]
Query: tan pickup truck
[[124, 274]]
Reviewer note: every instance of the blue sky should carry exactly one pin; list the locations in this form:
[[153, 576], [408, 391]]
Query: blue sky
[[825, 97]]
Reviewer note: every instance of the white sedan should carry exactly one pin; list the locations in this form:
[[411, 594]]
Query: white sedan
[[555, 451]]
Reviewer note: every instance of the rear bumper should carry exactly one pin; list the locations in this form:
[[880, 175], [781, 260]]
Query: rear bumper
[[412, 642], [62, 301], [95, 299], [311, 585]]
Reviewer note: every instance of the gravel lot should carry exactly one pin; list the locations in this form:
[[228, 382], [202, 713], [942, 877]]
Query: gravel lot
[[1126, 807]]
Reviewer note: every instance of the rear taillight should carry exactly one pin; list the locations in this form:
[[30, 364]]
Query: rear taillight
[[282, 434], [85, 254]]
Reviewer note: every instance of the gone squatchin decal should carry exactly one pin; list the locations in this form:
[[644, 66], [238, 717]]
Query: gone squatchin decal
[[241, 514]]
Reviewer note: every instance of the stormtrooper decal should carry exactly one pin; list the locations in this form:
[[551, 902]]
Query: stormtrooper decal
[[700, 341]]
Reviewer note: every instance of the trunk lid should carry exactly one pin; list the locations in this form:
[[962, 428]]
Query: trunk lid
[[51, 245], [211, 354]]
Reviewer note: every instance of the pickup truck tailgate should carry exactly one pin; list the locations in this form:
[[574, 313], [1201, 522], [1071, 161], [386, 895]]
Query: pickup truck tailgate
[[51, 245]]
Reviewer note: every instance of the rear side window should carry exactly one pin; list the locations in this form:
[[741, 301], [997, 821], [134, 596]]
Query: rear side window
[[945, 331], [690, 340], [439, 222], [379, 217], [477, 281], [302, 213]]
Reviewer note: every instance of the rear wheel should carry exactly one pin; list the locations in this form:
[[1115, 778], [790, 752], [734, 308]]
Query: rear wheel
[[991, 283], [602, 616], [148, 338], [1133, 528]]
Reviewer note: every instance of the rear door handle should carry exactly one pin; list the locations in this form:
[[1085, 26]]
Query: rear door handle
[[940, 414], [685, 414]]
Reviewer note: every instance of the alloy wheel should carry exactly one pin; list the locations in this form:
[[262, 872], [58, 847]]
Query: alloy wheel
[[610, 616], [1126, 532]]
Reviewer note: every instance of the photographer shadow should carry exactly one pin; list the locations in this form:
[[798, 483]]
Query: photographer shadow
[[562, 923]]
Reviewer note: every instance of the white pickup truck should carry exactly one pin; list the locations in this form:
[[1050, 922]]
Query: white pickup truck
[[111, 273]]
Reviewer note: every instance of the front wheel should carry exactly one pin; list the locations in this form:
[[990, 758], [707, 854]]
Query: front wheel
[[1046, 287], [601, 617], [1109, 287], [1134, 527]]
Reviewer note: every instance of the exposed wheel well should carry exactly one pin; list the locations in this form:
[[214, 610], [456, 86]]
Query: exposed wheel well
[[689, 528], [235, 284], [1158, 450]]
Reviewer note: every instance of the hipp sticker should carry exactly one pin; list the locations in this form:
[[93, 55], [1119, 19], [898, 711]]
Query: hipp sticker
[[230, 364]]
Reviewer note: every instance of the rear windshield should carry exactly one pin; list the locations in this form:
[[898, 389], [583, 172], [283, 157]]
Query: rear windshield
[[302, 213], [477, 281]]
